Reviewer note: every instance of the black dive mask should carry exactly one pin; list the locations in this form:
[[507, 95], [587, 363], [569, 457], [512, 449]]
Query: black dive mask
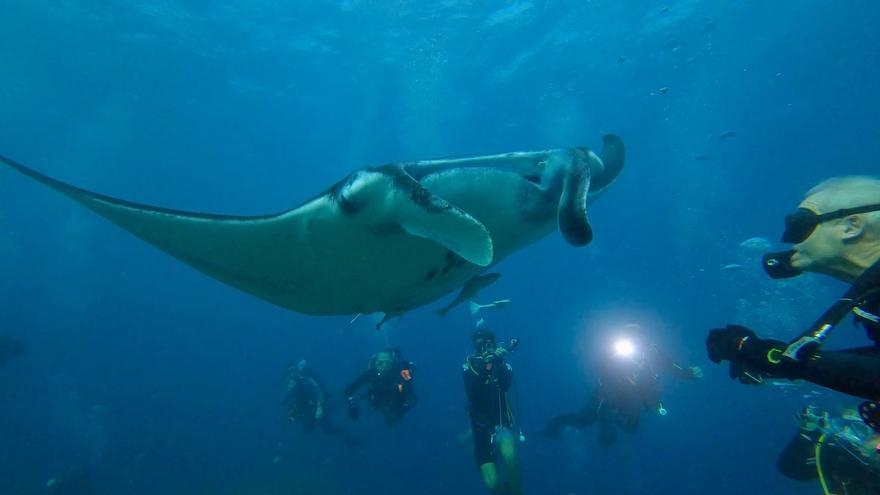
[[486, 346], [799, 226]]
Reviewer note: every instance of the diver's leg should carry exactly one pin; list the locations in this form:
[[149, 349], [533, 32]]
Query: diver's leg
[[607, 428], [581, 419], [628, 420], [483, 455], [489, 471], [330, 429], [506, 443]]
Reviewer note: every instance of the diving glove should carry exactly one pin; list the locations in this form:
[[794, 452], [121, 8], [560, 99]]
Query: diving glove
[[751, 357]]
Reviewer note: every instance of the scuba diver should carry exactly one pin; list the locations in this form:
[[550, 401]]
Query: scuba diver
[[76, 480], [841, 453], [487, 379], [835, 231], [11, 348], [307, 402], [627, 382], [388, 379]]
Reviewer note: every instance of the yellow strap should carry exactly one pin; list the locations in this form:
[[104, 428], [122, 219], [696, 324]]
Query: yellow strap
[[822, 481]]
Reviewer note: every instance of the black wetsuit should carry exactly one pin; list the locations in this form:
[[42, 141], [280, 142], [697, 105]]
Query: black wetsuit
[[487, 384], [391, 393], [305, 394], [851, 371], [843, 470], [624, 387]]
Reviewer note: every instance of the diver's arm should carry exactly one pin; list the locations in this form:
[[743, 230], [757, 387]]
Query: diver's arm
[[359, 382], [662, 362], [505, 377], [471, 385], [793, 460], [320, 388], [855, 371], [320, 395], [852, 373]]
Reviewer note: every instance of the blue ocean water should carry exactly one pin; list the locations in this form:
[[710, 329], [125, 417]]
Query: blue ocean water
[[144, 376]]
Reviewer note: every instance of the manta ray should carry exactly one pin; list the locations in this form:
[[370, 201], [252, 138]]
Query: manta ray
[[385, 239]]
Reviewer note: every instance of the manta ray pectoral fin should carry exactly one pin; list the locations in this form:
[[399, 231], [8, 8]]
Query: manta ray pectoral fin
[[267, 256], [419, 212], [572, 210]]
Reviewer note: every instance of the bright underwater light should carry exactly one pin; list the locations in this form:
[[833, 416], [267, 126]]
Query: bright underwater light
[[624, 348]]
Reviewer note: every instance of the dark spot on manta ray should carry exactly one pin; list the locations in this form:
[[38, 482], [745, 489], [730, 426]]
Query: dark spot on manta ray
[[431, 274], [417, 193], [450, 255], [446, 269], [347, 205]]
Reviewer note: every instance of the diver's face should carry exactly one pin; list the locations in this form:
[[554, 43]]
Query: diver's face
[[823, 247], [383, 362], [484, 346]]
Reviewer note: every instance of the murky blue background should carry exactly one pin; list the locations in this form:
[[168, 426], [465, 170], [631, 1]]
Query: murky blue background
[[153, 378]]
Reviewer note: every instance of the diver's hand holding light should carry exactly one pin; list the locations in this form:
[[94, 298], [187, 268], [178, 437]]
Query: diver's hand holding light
[[624, 348]]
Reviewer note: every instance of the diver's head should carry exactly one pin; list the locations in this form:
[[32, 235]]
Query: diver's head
[[484, 340], [383, 361], [836, 228]]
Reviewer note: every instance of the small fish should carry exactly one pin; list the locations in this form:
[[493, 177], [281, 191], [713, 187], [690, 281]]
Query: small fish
[[756, 244], [663, 90], [731, 266], [724, 136], [501, 303], [702, 157], [470, 290]]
